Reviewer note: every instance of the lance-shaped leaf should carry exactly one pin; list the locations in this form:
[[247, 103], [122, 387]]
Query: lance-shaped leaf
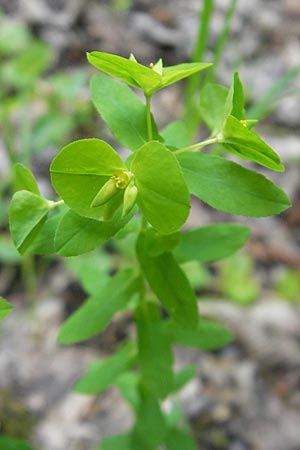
[[170, 284], [122, 110], [80, 170], [212, 242], [150, 428], [149, 79], [102, 374], [76, 235], [163, 196], [5, 308], [24, 179], [246, 144], [154, 350], [97, 312], [208, 335], [229, 187], [27, 213]]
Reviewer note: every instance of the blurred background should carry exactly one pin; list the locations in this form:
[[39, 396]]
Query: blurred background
[[245, 396]]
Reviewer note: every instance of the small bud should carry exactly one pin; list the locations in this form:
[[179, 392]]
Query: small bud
[[129, 200], [107, 192]]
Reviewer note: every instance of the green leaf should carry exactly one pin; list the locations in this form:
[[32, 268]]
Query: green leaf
[[183, 377], [247, 145], [5, 308], [116, 442], [27, 213], [102, 374], [131, 72], [169, 283], [176, 134], [208, 335], [163, 196], [97, 312], [212, 106], [228, 187], [180, 440], [122, 110], [80, 170], [150, 428], [76, 235], [24, 179], [238, 99], [8, 443], [212, 242], [127, 384], [172, 74], [155, 356], [43, 243]]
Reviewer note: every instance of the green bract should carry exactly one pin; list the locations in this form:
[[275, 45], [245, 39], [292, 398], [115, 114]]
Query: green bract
[[148, 79]]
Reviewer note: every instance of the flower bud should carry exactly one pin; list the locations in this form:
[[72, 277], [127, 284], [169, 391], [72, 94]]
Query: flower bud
[[108, 191], [129, 200]]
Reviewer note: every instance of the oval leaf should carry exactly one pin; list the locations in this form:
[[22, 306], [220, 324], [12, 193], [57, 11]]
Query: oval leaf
[[163, 196], [229, 187], [79, 171]]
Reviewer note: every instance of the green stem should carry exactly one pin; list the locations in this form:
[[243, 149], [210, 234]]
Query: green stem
[[149, 119], [196, 146]]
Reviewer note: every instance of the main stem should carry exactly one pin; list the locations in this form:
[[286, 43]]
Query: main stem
[[148, 114]]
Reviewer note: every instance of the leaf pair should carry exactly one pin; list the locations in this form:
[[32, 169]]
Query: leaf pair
[[148, 79], [223, 112]]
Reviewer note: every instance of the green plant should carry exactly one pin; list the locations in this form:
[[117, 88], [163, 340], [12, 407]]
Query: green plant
[[147, 198]]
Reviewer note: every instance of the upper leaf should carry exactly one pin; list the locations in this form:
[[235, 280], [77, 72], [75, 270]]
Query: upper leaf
[[163, 196], [5, 308], [79, 171], [149, 79], [96, 313], [212, 242], [229, 187], [27, 213]]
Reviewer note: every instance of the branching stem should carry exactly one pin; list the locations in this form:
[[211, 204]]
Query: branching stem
[[196, 146]]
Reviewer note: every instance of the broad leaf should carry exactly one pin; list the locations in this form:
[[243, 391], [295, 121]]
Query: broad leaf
[[24, 179], [43, 243], [5, 308], [155, 355], [150, 428], [102, 374], [172, 74], [208, 335], [156, 243], [248, 145], [170, 284], [79, 171], [212, 242], [27, 213], [227, 186], [97, 312], [163, 196], [122, 110], [76, 235]]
